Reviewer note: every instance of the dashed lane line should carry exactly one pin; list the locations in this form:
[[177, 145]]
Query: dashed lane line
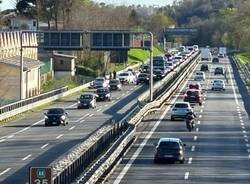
[[82, 121], [25, 158], [2, 140], [193, 148], [190, 160], [5, 171], [195, 138], [200, 116], [197, 129], [71, 128], [186, 175], [91, 115], [198, 122], [247, 145], [246, 140], [44, 146], [59, 136]]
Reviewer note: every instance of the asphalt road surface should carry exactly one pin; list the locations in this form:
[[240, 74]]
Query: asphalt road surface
[[217, 151], [27, 142]]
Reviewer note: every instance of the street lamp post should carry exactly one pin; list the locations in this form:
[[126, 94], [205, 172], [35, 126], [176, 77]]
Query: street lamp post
[[21, 67], [151, 68]]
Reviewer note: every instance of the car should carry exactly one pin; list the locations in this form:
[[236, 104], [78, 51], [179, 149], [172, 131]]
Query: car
[[218, 85], [218, 71], [101, 82], [180, 110], [169, 149], [143, 78], [215, 60], [56, 116], [103, 94], [87, 100], [193, 96], [127, 77], [170, 65], [221, 55], [200, 76], [145, 68], [158, 74], [204, 68], [115, 84]]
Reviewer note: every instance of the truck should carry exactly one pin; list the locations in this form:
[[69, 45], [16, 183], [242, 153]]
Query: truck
[[222, 52], [206, 54], [160, 62]]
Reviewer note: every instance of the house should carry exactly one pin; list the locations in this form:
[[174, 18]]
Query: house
[[10, 77], [63, 65]]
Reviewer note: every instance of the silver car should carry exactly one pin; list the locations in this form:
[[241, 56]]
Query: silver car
[[180, 110], [219, 85]]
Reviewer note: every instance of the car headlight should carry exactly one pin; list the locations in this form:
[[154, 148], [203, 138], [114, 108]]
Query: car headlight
[[181, 152], [46, 117], [107, 95], [63, 117], [78, 102]]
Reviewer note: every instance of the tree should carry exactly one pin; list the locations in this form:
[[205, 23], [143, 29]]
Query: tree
[[134, 20]]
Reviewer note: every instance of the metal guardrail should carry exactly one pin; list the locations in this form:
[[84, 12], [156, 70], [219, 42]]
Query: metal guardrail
[[31, 100]]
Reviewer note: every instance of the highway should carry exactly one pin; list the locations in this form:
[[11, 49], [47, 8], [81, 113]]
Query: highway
[[217, 151], [26, 142]]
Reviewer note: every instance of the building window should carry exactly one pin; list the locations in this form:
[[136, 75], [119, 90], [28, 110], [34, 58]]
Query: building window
[[61, 62], [34, 23]]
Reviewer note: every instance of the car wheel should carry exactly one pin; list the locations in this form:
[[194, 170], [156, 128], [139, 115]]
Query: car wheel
[[46, 124], [200, 103], [156, 161], [182, 161]]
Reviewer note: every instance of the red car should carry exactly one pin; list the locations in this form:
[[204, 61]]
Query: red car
[[193, 96]]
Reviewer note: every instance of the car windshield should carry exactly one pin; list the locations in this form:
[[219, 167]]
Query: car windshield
[[192, 93], [99, 80], [142, 75], [169, 145], [145, 67], [181, 105], [218, 81], [85, 96], [55, 111], [102, 90], [199, 73], [123, 74], [170, 64], [113, 82]]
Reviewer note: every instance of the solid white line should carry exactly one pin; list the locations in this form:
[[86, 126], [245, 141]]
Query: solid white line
[[82, 121], [72, 128], [193, 148], [2, 140], [190, 160], [5, 171], [91, 115], [186, 176], [197, 129], [28, 156], [45, 145], [59, 136], [232, 83], [195, 138], [10, 136]]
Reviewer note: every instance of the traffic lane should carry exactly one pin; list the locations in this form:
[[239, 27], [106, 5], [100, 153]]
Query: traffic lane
[[34, 119], [77, 131]]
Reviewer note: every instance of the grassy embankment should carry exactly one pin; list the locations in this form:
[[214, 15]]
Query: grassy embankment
[[244, 61]]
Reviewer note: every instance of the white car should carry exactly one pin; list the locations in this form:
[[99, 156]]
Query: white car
[[180, 110], [101, 82], [199, 76], [219, 85], [127, 77]]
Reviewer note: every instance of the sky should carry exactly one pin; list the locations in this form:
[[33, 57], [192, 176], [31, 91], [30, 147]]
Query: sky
[[9, 4]]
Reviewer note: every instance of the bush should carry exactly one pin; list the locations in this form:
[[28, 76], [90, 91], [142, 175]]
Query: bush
[[82, 70]]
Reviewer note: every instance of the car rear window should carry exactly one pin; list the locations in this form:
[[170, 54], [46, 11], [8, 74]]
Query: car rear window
[[180, 105], [193, 93], [124, 74], [85, 97], [169, 145]]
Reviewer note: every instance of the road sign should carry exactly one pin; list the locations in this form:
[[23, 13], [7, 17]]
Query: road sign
[[180, 31], [40, 175]]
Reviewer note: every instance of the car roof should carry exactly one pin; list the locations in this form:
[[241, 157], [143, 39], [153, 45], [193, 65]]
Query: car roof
[[169, 139]]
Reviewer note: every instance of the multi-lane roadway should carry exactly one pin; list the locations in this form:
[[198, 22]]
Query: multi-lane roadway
[[217, 151]]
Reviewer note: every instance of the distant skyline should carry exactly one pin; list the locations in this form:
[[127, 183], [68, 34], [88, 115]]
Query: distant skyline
[[10, 4]]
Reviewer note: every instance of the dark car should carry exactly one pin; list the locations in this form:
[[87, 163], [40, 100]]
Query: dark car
[[115, 84], [145, 69], [86, 101], [142, 78], [103, 94], [218, 71], [56, 116], [215, 60], [158, 74], [204, 68], [193, 96], [169, 149]]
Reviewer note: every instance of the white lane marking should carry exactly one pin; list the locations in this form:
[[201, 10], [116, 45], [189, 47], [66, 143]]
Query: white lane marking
[[72, 128], [246, 140], [82, 121], [195, 138], [2, 140], [241, 120], [232, 84], [127, 91], [190, 160], [244, 131], [240, 117], [59, 136], [243, 127], [5, 171], [242, 124], [245, 136], [118, 98], [82, 117], [238, 110], [193, 148], [123, 94], [91, 115], [204, 102], [198, 122], [249, 156], [197, 129], [247, 145], [248, 150], [106, 105], [10, 136], [201, 110], [237, 107], [186, 176], [28, 156], [98, 110], [148, 136], [200, 116], [45, 145]]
